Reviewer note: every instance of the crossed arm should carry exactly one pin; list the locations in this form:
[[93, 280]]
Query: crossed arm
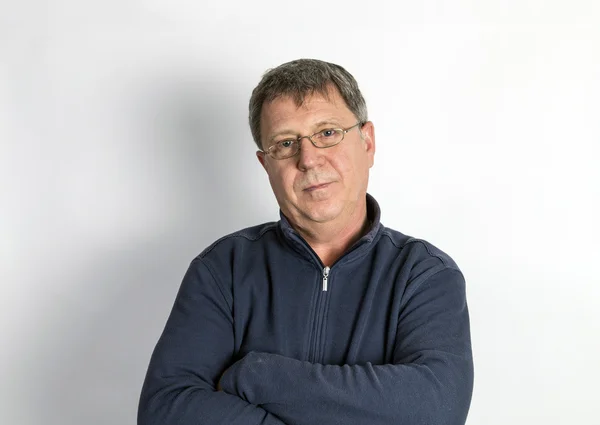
[[429, 381], [195, 347]]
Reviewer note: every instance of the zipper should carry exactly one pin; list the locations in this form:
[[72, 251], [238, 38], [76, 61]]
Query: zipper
[[316, 346], [325, 277], [318, 325]]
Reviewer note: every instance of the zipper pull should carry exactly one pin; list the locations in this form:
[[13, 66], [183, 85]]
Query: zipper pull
[[325, 276]]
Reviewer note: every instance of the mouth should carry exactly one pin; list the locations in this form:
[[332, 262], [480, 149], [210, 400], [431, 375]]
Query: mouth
[[317, 187]]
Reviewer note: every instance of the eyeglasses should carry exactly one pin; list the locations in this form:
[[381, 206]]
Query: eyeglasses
[[322, 139]]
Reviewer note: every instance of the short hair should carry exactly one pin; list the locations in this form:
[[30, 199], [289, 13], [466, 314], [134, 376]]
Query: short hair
[[301, 78]]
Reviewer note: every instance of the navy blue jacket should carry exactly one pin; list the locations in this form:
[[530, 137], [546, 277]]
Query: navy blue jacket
[[382, 337]]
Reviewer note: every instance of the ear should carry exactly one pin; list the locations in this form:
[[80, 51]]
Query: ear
[[262, 159], [368, 132]]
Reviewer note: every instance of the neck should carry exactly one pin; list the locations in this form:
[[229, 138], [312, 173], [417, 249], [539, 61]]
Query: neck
[[331, 240]]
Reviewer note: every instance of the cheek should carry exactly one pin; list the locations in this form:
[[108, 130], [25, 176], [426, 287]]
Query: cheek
[[353, 169], [345, 165], [282, 181]]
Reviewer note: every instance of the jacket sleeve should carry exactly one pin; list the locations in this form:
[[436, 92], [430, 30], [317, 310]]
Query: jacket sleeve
[[193, 351], [430, 380]]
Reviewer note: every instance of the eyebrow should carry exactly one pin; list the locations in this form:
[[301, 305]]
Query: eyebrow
[[332, 122]]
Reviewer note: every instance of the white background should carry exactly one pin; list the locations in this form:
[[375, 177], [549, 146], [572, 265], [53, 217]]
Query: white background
[[125, 151]]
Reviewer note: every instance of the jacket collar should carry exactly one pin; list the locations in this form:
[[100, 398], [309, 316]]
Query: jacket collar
[[360, 247]]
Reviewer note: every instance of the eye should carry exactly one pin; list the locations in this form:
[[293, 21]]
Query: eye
[[327, 133], [285, 144]]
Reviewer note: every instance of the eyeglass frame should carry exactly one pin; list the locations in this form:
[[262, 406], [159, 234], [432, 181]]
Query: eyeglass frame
[[297, 141]]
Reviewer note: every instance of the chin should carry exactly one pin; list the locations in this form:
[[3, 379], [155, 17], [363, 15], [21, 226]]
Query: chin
[[323, 211]]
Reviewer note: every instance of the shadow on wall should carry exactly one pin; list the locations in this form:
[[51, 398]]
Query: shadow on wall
[[92, 357]]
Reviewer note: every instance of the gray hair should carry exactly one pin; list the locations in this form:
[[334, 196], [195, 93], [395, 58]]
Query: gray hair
[[301, 78]]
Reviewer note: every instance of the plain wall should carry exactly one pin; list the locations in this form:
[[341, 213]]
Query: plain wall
[[125, 151]]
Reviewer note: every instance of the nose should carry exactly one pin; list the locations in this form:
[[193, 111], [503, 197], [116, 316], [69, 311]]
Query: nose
[[309, 156]]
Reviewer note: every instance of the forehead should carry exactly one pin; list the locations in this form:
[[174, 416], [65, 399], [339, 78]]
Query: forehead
[[283, 113]]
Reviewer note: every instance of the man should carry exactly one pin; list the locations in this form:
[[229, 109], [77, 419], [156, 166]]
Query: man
[[327, 316]]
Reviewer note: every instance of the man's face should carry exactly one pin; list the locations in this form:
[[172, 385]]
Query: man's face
[[317, 185]]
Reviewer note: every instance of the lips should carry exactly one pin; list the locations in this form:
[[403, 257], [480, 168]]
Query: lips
[[317, 186]]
